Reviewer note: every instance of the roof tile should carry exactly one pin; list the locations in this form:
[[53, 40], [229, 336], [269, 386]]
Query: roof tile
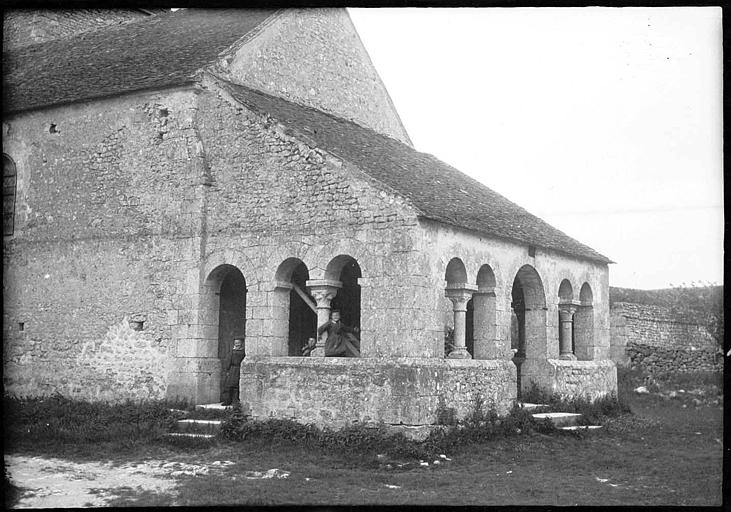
[[438, 190]]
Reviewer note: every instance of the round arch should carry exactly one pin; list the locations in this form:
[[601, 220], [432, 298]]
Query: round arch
[[345, 268], [586, 296], [584, 325], [294, 316], [455, 272], [528, 322], [565, 291]]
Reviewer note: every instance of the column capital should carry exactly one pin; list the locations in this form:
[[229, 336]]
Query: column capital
[[323, 291], [460, 294], [568, 306]]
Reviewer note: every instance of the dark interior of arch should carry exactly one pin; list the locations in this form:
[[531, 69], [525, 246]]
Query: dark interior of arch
[[302, 320], [518, 304], [231, 311], [469, 335], [348, 298]]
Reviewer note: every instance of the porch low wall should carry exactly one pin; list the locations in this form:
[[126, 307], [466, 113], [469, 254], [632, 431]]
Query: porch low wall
[[335, 392], [591, 379]]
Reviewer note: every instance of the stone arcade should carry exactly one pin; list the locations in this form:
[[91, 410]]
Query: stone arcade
[[177, 179]]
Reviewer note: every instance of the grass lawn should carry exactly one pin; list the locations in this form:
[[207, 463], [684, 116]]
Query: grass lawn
[[663, 454]]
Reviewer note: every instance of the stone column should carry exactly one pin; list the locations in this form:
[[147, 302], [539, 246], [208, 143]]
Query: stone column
[[566, 319], [486, 344], [459, 294], [323, 291]]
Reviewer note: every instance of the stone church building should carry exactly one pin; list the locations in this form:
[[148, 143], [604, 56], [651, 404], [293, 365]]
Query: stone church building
[[174, 179]]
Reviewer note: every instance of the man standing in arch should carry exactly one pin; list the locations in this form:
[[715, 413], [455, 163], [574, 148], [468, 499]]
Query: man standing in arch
[[341, 340], [232, 367]]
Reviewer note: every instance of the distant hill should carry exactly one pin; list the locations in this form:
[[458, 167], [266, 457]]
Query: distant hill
[[695, 297]]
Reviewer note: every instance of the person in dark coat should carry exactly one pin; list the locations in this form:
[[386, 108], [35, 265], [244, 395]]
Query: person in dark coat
[[341, 340], [232, 368]]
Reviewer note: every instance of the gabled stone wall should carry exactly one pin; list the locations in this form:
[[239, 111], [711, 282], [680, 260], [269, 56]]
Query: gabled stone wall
[[315, 57]]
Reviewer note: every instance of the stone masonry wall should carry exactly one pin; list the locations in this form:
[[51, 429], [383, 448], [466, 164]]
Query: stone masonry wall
[[274, 197], [106, 224], [314, 57], [335, 392], [650, 337], [22, 27]]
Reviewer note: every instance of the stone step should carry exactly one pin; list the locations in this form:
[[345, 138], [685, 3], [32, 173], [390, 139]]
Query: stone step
[[559, 419], [531, 407], [574, 428], [186, 438], [199, 426], [215, 406]]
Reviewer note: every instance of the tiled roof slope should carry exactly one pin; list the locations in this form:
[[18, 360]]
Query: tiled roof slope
[[157, 51], [438, 190]]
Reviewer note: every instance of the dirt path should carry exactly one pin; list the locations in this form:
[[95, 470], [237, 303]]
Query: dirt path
[[58, 483]]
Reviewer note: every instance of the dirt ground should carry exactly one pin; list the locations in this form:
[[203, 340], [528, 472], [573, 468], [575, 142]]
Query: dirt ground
[[48, 482]]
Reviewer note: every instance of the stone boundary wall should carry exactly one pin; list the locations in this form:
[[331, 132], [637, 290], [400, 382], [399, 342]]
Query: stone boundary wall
[[337, 391], [651, 337], [660, 360]]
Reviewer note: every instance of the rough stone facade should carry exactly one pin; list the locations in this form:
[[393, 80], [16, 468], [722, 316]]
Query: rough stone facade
[[106, 216], [22, 27], [132, 212], [403, 391], [653, 338]]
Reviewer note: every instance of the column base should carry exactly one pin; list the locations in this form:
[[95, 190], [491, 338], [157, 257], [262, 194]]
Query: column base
[[567, 357], [459, 353]]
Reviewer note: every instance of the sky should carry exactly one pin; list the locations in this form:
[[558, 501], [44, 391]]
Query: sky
[[605, 122]]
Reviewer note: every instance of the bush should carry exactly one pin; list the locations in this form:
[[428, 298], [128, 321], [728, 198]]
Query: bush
[[481, 425], [61, 420]]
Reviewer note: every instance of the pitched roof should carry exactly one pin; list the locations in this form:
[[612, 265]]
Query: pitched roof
[[438, 190], [154, 52]]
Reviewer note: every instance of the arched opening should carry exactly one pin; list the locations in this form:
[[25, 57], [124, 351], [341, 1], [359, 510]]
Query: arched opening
[[346, 270], [297, 315], [584, 325], [456, 272], [9, 190], [229, 285], [459, 292], [565, 292], [565, 324], [529, 310], [470, 327], [483, 321]]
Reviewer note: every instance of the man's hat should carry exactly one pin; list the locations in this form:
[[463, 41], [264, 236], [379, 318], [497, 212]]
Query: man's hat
[[241, 337]]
